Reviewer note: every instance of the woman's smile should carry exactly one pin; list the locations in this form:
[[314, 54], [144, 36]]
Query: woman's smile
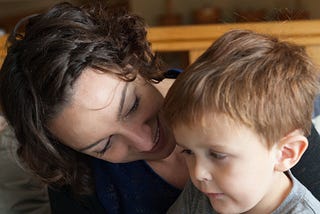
[[158, 137]]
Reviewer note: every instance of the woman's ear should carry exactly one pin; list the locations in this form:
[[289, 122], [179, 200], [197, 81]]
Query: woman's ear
[[290, 149]]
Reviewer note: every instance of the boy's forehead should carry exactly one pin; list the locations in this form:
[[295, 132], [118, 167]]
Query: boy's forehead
[[209, 119], [220, 134]]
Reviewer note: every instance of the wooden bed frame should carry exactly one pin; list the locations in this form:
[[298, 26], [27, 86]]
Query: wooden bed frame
[[194, 39], [2, 48]]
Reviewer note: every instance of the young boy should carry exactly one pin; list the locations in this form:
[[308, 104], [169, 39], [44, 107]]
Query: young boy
[[240, 114]]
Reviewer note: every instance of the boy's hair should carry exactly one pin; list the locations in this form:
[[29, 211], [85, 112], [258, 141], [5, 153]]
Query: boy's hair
[[256, 80]]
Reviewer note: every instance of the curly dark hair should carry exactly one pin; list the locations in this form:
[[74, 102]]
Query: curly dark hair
[[42, 64]]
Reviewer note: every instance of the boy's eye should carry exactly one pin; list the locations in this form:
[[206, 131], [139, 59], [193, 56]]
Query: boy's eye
[[187, 151], [217, 155]]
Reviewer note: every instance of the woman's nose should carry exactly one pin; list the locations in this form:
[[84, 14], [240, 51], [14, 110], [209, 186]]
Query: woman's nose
[[141, 137]]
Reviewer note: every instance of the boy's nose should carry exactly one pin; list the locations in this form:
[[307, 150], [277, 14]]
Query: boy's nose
[[201, 172]]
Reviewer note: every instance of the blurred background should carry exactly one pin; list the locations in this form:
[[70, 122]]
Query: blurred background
[[180, 12]]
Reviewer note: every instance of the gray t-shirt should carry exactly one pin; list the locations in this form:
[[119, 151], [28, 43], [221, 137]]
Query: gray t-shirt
[[299, 201], [20, 191]]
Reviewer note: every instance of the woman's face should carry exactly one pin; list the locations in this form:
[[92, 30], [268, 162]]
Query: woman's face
[[114, 120]]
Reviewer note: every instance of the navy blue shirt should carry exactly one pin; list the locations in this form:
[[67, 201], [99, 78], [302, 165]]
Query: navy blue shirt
[[132, 188]]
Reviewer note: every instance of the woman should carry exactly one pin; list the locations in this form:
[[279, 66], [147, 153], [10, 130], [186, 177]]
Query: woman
[[63, 118], [78, 89]]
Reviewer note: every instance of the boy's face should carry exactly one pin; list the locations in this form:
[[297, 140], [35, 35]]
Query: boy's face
[[229, 163]]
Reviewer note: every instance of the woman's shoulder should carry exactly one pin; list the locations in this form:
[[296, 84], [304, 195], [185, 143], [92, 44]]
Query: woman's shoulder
[[166, 83], [164, 86], [127, 187]]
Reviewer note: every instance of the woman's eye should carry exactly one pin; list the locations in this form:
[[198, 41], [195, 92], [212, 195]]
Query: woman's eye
[[217, 155], [187, 151], [134, 106], [105, 148]]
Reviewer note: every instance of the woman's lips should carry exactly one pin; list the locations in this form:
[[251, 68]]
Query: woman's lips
[[157, 137]]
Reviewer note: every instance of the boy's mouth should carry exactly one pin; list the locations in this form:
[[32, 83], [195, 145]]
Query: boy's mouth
[[214, 196]]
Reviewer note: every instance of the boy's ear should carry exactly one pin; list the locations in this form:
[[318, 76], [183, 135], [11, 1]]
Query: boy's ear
[[290, 149]]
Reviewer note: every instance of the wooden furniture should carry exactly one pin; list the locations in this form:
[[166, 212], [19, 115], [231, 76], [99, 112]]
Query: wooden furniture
[[196, 38], [2, 48]]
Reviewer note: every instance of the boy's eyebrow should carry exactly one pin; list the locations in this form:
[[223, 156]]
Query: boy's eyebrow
[[179, 145], [214, 146]]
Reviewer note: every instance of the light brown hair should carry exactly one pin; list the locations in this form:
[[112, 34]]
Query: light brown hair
[[256, 80]]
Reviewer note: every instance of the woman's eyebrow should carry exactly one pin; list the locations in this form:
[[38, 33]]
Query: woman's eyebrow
[[122, 100], [121, 104]]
